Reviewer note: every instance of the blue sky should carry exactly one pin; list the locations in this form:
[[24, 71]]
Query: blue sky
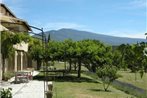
[[125, 18]]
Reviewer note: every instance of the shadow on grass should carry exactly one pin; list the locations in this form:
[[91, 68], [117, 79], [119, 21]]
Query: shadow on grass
[[99, 90], [68, 78]]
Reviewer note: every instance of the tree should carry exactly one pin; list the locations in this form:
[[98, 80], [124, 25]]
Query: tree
[[36, 51], [100, 55], [107, 74], [117, 59], [90, 53], [69, 47], [122, 49], [79, 54], [53, 51], [134, 58]]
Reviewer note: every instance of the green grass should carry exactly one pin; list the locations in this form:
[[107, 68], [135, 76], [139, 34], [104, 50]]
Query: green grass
[[61, 65], [85, 89], [130, 78], [88, 86], [70, 86]]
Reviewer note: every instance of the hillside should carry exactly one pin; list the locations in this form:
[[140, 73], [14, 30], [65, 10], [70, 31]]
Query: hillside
[[75, 35]]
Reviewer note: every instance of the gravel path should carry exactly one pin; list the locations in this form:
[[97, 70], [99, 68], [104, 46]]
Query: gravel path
[[32, 89]]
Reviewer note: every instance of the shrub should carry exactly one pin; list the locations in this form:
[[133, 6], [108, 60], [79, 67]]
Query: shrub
[[107, 74], [8, 75], [6, 93]]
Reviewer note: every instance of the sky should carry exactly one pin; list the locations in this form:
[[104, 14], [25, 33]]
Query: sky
[[124, 18]]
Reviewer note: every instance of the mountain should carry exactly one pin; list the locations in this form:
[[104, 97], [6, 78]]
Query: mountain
[[76, 35]]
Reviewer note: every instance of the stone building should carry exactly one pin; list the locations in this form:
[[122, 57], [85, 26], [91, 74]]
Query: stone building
[[9, 22]]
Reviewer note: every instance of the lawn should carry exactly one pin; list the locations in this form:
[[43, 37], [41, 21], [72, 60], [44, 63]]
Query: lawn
[[85, 88], [70, 86], [130, 78]]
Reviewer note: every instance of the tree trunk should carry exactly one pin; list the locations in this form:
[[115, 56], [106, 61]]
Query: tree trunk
[[79, 68], [135, 76], [75, 66], [65, 65], [93, 68], [70, 64], [106, 88], [38, 64]]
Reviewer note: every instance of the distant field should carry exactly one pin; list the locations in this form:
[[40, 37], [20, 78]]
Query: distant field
[[130, 78], [61, 65]]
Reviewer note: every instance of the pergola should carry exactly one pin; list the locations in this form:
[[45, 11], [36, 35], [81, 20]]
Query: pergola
[[43, 38]]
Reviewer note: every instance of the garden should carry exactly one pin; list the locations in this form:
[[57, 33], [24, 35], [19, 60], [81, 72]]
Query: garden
[[91, 67]]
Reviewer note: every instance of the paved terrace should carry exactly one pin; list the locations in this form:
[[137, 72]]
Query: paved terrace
[[32, 89]]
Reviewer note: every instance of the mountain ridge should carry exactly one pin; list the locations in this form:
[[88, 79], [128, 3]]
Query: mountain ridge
[[76, 35]]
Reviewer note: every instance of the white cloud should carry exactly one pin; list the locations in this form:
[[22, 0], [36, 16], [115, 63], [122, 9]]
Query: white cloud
[[1, 1], [138, 3], [120, 33], [134, 4], [134, 35], [129, 34], [59, 25]]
